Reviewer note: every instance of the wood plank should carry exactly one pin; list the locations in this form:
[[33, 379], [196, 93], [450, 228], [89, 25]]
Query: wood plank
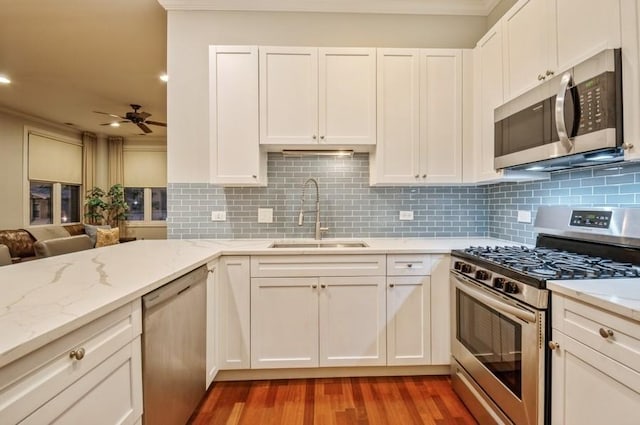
[[419, 400]]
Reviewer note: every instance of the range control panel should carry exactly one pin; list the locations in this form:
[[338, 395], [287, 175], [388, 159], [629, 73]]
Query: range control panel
[[596, 219]]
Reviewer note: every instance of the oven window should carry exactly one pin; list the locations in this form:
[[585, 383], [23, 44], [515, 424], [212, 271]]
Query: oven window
[[493, 339]]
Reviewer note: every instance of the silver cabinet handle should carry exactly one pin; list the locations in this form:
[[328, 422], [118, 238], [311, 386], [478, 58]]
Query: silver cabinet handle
[[553, 345], [561, 126], [605, 333], [77, 354]]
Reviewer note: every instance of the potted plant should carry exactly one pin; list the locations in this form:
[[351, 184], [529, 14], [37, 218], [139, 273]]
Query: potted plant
[[95, 206], [116, 207]]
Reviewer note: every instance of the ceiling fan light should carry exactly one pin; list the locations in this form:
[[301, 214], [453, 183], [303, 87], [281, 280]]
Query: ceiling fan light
[[164, 78], [4, 79]]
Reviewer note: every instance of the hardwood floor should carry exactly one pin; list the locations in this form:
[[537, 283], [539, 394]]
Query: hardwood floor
[[337, 401]]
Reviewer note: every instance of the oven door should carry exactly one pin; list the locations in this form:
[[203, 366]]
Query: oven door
[[499, 343]]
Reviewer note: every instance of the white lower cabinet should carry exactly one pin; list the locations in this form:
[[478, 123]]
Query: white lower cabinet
[[92, 374], [440, 310], [212, 364], [595, 365], [234, 301]]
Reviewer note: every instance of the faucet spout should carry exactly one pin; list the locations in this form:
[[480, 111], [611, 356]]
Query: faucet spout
[[319, 229]]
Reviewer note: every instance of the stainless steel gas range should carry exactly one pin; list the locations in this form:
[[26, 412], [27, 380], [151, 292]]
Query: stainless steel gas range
[[500, 305]]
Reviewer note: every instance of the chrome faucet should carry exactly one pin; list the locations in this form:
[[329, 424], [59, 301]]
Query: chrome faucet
[[319, 229]]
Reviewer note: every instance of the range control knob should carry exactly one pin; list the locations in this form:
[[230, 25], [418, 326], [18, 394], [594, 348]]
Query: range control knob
[[499, 282], [467, 268], [458, 265], [511, 288], [482, 275]]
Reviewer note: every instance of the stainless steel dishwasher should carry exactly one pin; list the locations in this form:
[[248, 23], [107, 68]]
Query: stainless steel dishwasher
[[173, 349]]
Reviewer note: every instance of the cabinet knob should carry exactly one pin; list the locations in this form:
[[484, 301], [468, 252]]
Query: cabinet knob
[[424, 176], [212, 270], [409, 265], [553, 345], [321, 137], [549, 72], [541, 77], [627, 146], [314, 137], [322, 285], [314, 286], [254, 176], [77, 354], [417, 175], [605, 333], [391, 285]]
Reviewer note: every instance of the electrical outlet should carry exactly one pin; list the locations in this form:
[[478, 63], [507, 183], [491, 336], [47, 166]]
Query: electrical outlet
[[524, 216], [406, 215], [218, 215], [265, 215]]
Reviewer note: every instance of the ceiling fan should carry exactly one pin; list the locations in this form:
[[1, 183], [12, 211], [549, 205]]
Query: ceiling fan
[[135, 117]]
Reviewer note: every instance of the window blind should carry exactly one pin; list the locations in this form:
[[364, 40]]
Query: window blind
[[145, 168], [54, 160]]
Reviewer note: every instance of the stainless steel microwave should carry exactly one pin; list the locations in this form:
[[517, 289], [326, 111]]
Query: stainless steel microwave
[[572, 120]]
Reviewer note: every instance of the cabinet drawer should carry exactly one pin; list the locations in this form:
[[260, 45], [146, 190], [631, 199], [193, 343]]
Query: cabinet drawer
[[317, 265], [408, 265], [33, 380], [610, 334]]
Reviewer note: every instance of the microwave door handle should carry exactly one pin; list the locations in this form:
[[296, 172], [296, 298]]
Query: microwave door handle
[[561, 126]]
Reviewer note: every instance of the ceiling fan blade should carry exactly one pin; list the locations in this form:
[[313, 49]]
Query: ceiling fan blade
[[111, 115], [143, 127], [161, 124]]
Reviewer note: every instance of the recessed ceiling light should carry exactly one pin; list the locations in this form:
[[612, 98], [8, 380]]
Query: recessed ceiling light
[[164, 77], [115, 124], [4, 80]]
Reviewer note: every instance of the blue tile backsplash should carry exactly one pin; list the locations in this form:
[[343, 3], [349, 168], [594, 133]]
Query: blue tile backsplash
[[351, 208]]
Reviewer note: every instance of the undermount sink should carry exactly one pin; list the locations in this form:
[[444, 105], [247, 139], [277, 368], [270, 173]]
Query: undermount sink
[[319, 244]]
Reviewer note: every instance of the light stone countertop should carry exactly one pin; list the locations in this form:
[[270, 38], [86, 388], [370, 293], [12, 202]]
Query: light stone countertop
[[45, 299], [620, 296]]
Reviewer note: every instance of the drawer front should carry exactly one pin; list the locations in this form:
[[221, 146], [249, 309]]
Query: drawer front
[[607, 333], [317, 265], [408, 265], [33, 380]]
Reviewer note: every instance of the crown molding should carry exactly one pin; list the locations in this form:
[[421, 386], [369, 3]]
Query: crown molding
[[412, 7]]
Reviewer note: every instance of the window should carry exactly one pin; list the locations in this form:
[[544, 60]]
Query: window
[[146, 204], [54, 177], [145, 180]]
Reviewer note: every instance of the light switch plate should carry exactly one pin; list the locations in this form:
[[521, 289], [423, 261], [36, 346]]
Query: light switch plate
[[218, 215], [524, 216], [406, 215], [265, 215]]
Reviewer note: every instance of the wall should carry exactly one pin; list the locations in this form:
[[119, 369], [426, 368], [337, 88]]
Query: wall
[[11, 164], [349, 207], [614, 185], [191, 32]]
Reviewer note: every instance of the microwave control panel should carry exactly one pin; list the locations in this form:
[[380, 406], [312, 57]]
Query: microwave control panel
[[596, 97], [595, 219]]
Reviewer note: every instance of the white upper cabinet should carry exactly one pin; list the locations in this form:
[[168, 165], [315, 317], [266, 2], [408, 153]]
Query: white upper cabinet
[[311, 96], [236, 158], [528, 58], [630, 17], [419, 117], [545, 37]]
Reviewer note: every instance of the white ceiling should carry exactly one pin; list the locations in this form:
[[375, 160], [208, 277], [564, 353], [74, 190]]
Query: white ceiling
[[67, 58]]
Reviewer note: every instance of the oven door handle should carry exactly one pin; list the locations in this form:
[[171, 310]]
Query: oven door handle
[[501, 306]]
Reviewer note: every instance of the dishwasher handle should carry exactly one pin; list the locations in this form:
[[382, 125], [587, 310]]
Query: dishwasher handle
[[174, 288]]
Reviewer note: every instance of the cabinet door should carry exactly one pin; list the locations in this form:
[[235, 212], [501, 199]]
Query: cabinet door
[[234, 312], [288, 95], [236, 158], [284, 322], [528, 45], [212, 323], [352, 321], [397, 155], [584, 28], [440, 310], [441, 115], [408, 320], [589, 388], [488, 94], [347, 91], [630, 17], [111, 393]]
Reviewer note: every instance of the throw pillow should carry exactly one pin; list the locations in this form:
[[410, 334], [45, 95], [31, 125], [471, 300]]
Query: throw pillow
[[92, 230], [106, 237]]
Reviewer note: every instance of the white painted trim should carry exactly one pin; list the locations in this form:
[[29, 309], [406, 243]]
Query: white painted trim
[[417, 7]]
